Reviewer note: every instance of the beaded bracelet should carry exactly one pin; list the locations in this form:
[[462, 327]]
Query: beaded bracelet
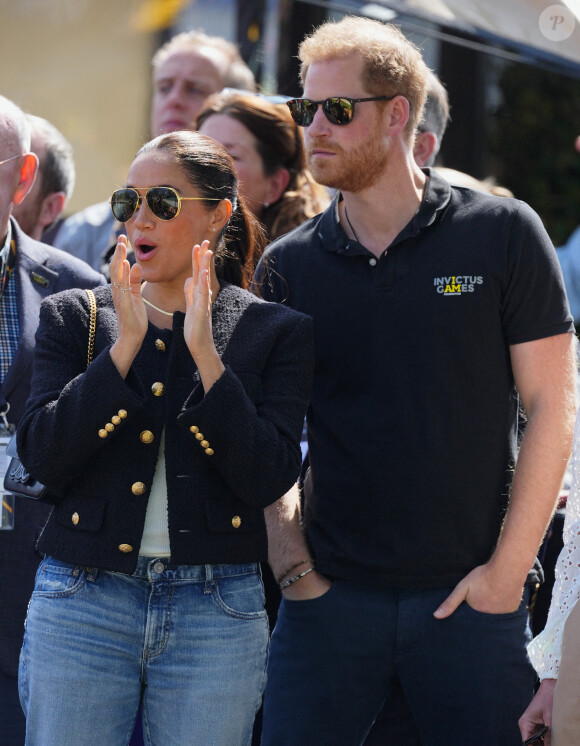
[[295, 578], [289, 570]]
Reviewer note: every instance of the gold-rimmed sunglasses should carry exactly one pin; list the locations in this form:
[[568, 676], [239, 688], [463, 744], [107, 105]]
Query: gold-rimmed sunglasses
[[163, 201]]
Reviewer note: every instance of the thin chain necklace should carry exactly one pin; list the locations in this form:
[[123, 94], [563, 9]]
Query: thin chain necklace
[[350, 224], [148, 302]]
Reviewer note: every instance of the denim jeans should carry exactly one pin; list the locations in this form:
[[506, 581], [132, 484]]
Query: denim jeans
[[188, 642], [333, 660]]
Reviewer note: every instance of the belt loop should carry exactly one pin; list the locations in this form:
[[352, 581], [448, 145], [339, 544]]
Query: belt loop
[[209, 581]]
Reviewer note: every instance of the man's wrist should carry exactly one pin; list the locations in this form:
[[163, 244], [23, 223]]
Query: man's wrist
[[295, 578]]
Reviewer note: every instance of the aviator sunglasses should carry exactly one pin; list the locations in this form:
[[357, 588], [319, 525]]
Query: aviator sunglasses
[[337, 109], [163, 201]]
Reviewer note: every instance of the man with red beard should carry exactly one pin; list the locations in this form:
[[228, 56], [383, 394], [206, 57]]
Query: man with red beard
[[436, 309]]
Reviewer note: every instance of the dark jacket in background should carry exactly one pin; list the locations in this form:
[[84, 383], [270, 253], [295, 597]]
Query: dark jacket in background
[[39, 271]]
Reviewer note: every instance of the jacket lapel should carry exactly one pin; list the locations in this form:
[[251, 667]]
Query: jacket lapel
[[34, 281]]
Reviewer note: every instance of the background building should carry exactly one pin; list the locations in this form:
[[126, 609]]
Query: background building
[[513, 79]]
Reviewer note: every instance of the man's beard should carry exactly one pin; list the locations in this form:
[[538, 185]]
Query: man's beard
[[350, 171]]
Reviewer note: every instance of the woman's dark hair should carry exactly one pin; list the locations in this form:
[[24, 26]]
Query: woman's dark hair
[[209, 169], [279, 145]]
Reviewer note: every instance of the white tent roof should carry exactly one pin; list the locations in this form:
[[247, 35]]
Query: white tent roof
[[535, 28]]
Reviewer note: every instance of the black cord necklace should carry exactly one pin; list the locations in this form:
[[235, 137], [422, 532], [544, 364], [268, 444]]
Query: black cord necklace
[[350, 225]]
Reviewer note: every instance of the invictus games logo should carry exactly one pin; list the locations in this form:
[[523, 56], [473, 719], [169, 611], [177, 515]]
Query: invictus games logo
[[457, 284], [557, 23]]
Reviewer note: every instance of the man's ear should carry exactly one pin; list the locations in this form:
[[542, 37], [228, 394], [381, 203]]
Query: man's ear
[[51, 207], [424, 147], [399, 115], [26, 176]]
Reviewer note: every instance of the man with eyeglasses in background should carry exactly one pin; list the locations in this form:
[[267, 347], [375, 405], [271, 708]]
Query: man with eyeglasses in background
[[431, 306], [29, 271], [186, 70]]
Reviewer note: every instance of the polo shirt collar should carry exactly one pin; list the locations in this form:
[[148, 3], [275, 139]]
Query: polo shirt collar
[[435, 200]]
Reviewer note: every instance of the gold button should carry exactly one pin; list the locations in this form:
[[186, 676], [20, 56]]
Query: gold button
[[210, 451], [146, 437], [204, 444], [125, 548], [109, 427], [116, 420], [160, 345], [75, 518], [158, 389], [236, 521], [194, 429], [103, 433], [138, 488], [199, 436], [122, 413]]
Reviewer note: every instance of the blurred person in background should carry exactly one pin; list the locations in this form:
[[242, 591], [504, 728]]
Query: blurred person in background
[[186, 69], [29, 272], [431, 128], [267, 148], [38, 214]]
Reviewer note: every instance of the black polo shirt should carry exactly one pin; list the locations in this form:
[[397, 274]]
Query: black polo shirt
[[413, 415]]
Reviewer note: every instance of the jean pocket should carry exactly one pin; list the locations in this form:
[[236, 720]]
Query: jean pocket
[[57, 578], [485, 615], [240, 596]]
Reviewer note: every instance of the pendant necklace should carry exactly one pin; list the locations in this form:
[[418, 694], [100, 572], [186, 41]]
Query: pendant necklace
[[148, 302]]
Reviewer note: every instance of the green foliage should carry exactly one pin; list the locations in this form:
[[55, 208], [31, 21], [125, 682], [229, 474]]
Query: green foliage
[[534, 130]]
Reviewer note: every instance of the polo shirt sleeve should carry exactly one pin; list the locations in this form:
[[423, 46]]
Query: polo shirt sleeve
[[534, 304]]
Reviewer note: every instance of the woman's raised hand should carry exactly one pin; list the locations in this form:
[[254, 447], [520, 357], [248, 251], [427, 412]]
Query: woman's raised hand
[[197, 328], [131, 312]]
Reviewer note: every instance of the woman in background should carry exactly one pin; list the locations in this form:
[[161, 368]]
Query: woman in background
[[267, 149]]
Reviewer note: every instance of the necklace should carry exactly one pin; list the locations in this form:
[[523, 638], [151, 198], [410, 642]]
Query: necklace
[[148, 302], [350, 225]]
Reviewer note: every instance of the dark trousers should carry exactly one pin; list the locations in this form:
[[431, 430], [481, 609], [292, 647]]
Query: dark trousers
[[334, 660], [12, 723]]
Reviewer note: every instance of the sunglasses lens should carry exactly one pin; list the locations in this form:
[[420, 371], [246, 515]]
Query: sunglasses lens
[[124, 203], [302, 111], [163, 202], [339, 110]]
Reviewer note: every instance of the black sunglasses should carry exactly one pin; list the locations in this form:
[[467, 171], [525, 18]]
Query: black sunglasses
[[164, 202], [337, 109]]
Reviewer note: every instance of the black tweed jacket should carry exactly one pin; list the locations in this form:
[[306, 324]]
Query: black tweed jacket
[[94, 437]]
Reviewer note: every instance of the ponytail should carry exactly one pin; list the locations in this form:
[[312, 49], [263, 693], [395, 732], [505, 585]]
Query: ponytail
[[241, 245]]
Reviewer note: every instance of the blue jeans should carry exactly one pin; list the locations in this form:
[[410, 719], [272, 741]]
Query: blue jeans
[[334, 660], [187, 642]]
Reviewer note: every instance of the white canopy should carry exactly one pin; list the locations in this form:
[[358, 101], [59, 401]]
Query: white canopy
[[535, 28]]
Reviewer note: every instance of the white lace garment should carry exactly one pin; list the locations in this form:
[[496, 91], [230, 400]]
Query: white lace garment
[[545, 650]]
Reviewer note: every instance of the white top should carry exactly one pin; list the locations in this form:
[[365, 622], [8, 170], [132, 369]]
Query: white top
[[545, 650], [155, 541]]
